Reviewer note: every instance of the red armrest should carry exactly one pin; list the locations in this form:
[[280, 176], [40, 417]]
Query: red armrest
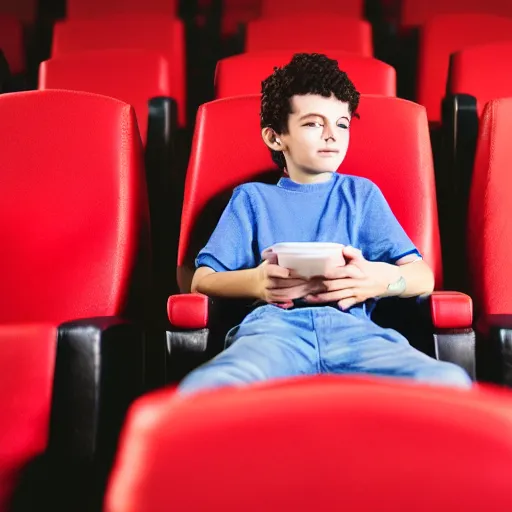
[[188, 310], [451, 310]]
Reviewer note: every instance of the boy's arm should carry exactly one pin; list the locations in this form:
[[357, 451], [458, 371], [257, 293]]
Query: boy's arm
[[233, 284], [417, 275]]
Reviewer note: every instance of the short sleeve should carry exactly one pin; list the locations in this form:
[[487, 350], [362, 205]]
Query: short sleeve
[[381, 237], [230, 246]]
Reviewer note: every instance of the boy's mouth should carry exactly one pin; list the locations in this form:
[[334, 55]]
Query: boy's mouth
[[328, 151]]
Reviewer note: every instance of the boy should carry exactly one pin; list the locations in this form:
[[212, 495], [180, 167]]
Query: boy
[[322, 324]]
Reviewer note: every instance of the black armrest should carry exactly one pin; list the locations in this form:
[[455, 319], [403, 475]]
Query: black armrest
[[99, 372], [494, 348]]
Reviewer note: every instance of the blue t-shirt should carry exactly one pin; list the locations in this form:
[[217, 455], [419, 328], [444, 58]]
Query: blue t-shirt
[[349, 210]]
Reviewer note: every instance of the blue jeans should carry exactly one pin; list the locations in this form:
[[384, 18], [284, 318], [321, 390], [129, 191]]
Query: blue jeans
[[275, 343]]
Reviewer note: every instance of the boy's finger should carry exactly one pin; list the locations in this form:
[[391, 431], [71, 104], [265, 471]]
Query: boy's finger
[[277, 283], [277, 271]]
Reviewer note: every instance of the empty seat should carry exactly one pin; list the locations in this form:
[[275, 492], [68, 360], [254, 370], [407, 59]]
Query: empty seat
[[489, 234], [404, 174], [73, 215], [414, 13], [159, 34], [97, 8], [310, 31], [243, 74], [12, 43], [439, 38], [311, 443], [477, 75], [133, 76], [349, 8]]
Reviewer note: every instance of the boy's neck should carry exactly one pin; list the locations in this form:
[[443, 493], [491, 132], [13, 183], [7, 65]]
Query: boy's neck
[[309, 178]]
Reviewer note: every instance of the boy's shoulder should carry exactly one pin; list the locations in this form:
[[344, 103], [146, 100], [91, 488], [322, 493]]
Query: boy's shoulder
[[357, 184]]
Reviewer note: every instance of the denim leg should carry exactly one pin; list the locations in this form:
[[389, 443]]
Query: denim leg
[[270, 343], [357, 345]]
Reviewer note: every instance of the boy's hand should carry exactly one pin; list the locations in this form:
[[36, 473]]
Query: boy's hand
[[276, 285], [356, 282]]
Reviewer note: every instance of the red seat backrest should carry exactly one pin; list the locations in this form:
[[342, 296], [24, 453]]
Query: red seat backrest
[[155, 33], [398, 160], [349, 8], [483, 71], [132, 76], [97, 8], [310, 31], [439, 38], [489, 227], [27, 362], [317, 443], [73, 207], [11, 43], [243, 74], [415, 13], [236, 12]]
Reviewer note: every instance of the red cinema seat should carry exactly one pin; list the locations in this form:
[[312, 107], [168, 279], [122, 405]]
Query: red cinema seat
[[132, 76], [12, 42], [322, 443], [160, 34], [76, 9], [439, 38], [348, 8], [141, 79], [489, 236], [405, 175], [477, 75], [243, 74], [74, 226], [414, 13], [314, 31]]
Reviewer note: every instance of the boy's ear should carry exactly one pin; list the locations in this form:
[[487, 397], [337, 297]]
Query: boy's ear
[[271, 139]]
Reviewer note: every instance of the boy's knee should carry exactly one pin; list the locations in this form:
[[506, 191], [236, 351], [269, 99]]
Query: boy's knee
[[445, 374]]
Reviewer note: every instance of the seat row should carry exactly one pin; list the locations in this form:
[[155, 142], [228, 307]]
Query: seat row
[[74, 220]]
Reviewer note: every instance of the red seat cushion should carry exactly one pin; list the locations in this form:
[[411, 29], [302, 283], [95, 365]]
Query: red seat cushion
[[161, 34], [322, 443], [11, 43], [399, 161], [73, 207], [27, 359], [313, 32], [243, 74], [415, 13], [489, 227], [97, 8], [444, 35], [483, 71], [133, 76], [351, 8]]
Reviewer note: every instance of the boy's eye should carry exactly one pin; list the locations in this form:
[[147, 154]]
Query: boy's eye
[[343, 125], [313, 124]]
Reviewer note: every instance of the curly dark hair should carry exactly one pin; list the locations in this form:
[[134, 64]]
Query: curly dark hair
[[306, 73]]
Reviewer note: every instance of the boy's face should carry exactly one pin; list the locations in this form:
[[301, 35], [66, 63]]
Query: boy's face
[[318, 135]]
